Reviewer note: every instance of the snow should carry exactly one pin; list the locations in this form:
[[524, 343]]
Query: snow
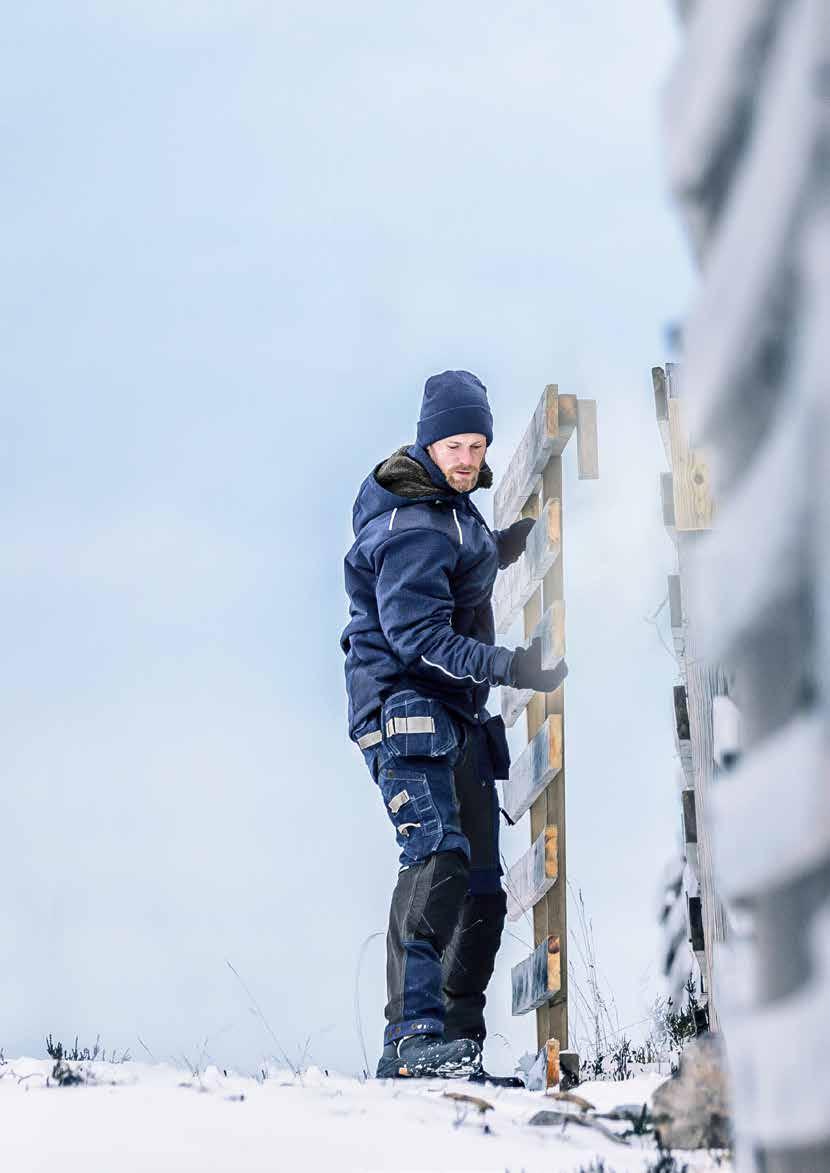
[[133, 1117]]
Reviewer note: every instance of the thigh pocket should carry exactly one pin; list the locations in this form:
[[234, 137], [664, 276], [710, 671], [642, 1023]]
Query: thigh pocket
[[411, 807], [416, 726]]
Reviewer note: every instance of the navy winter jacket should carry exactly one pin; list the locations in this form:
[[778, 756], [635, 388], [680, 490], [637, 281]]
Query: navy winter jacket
[[419, 577]]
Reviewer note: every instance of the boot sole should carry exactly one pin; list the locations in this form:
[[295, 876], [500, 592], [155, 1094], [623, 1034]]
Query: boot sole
[[400, 1069]]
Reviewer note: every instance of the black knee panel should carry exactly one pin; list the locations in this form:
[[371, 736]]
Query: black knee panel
[[448, 886]]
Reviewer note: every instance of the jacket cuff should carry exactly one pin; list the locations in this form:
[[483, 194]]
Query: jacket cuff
[[500, 673]]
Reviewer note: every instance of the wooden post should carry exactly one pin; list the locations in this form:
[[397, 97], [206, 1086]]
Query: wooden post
[[532, 487]]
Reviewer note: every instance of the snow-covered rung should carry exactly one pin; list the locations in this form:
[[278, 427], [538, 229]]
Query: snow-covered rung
[[751, 246], [539, 762], [537, 979], [767, 832], [533, 875], [547, 434], [551, 630], [515, 585]]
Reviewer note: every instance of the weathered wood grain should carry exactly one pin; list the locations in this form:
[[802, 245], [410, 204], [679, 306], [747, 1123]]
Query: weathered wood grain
[[547, 434], [586, 440], [515, 584], [551, 630], [676, 619], [533, 874], [667, 504], [682, 729], [661, 408], [726, 732], [552, 1074], [706, 98], [751, 567], [539, 762], [537, 979], [690, 476], [761, 841], [723, 333], [777, 1107]]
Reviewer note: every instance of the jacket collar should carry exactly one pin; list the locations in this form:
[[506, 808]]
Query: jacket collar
[[417, 452]]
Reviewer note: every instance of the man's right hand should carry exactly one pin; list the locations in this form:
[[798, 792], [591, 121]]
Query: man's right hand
[[526, 669]]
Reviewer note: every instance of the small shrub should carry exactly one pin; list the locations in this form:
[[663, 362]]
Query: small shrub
[[66, 1076], [57, 1051]]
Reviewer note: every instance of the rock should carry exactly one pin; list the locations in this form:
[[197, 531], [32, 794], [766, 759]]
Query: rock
[[692, 1109]]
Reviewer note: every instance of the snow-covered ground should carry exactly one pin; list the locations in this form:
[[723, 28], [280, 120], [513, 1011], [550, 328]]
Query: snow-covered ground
[[136, 1117]]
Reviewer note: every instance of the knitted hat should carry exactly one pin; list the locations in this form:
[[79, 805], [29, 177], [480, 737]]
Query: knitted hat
[[454, 402]]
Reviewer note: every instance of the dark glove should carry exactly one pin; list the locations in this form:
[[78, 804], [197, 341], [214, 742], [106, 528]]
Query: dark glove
[[526, 669], [512, 541]]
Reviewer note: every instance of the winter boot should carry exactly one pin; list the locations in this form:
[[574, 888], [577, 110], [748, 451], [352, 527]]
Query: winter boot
[[482, 1076], [425, 1056]]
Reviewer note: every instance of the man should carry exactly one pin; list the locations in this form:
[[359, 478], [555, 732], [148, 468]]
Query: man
[[420, 659]]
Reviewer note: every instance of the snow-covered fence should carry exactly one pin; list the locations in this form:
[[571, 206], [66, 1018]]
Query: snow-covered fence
[[533, 587], [746, 120], [687, 515]]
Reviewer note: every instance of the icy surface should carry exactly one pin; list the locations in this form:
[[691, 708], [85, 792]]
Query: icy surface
[[134, 1117]]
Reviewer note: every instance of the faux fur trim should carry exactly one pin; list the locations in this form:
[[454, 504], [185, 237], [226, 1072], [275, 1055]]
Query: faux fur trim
[[402, 474]]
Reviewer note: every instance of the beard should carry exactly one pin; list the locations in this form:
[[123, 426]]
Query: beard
[[463, 484]]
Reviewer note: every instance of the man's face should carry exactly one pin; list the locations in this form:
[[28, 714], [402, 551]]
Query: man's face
[[460, 459]]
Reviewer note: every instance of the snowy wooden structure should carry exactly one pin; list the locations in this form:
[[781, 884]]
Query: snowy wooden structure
[[688, 510], [533, 588], [746, 122]]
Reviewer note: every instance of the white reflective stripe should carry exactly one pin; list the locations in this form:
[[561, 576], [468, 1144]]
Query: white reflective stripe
[[469, 675], [458, 527], [370, 739], [397, 802], [410, 725], [392, 518]]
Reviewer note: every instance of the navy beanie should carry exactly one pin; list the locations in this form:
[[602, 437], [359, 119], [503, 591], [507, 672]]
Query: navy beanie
[[454, 402]]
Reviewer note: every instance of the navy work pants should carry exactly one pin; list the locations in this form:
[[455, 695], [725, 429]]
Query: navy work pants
[[448, 906]]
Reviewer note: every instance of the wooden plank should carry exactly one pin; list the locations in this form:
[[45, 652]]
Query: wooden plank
[[552, 1073], [750, 569], [676, 619], [587, 451], [533, 874], [776, 1104], [551, 630], [687, 796], [765, 838], [537, 979], [708, 94], [690, 477], [726, 732], [549, 809], [696, 924], [667, 504], [538, 763], [661, 408], [515, 585], [682, 730], [723, 335], [547, 434]]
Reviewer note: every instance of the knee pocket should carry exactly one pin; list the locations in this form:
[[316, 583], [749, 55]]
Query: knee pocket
[[447, 889]]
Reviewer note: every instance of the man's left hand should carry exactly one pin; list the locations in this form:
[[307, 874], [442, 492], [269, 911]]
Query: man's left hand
[[512, 541]]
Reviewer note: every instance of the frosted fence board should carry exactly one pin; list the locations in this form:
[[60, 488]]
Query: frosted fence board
[[753, 235], [771, 817]]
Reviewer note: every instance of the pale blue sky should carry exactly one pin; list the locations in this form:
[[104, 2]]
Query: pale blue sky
[[236, 239]]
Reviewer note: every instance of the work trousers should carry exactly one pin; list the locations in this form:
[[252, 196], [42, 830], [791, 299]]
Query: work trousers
[[448, 905]]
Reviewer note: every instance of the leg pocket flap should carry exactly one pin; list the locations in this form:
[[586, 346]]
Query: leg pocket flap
[[415, 726]]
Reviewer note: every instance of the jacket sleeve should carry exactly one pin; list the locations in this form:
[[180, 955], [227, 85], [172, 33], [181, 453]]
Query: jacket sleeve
[[415, 606]]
